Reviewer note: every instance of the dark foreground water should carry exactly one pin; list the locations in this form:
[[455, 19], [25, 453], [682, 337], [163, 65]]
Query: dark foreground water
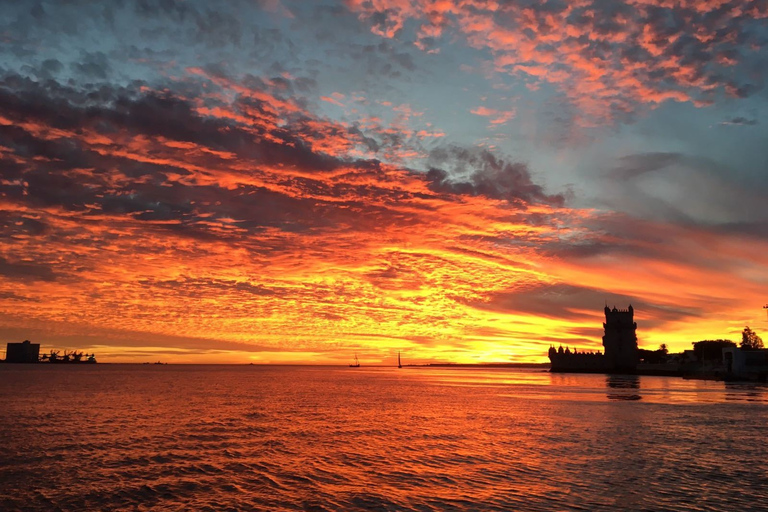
[[119, 437]]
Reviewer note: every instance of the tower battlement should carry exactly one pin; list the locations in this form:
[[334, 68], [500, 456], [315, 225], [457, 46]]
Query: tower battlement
[[620, 338], [619, 314], [619, 342]]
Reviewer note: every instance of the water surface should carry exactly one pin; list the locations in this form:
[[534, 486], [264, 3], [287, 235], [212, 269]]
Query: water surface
[[123, 437]]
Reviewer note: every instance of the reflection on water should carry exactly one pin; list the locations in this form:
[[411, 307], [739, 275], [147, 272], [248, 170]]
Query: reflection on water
[[117, 437], [749, 392], [623, 387]]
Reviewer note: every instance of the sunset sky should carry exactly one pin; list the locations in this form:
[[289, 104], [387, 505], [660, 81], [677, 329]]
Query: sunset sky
[[301, 181]]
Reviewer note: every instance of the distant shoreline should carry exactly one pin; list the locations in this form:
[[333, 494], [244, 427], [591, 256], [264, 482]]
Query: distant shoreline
[[425, 365], [483, 365]]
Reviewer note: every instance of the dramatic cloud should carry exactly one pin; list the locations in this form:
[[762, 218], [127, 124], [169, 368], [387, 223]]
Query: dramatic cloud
[[224, 219], [302, 181], [482, 173]]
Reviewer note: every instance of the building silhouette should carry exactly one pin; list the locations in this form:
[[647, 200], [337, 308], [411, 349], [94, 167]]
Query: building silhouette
[[620, 339], [619, 343], [24, 352]]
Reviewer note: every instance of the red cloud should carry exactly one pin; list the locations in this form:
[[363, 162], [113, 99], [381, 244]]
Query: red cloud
[[606, 61]]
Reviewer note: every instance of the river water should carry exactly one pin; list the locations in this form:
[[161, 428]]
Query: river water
[[127, 437]]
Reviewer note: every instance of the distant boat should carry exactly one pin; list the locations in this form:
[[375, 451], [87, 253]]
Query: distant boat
[[356, 363], [399, 364]]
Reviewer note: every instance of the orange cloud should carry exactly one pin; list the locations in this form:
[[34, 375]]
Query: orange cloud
[[499, 116], [605, 64], [334, 101], [243, 229]]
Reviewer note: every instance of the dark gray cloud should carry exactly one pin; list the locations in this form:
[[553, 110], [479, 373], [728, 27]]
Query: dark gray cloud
[[383, 60], [195, 286], [693, 191], [66, 172], [480, 172], [91, 66], [632, 166], [194, 21], [110, 108], [567, 302], [16, 297], [14, 226], [26, 270], [151, 197], [48, 69], [740, 121]]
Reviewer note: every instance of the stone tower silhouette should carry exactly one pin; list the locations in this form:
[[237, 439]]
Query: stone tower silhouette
[[620, 339]]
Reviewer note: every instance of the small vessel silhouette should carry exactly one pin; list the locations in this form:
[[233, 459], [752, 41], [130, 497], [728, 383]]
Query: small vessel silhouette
[[356, 364]]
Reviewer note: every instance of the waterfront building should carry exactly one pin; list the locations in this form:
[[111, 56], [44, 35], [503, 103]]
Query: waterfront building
[[743, 364], [24, 352]]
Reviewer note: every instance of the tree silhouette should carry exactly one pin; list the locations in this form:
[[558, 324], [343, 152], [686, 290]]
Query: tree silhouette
[[750, 340], [652, 356], [711, 350]]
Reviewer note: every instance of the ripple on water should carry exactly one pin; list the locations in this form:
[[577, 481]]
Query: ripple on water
[[326, 440]]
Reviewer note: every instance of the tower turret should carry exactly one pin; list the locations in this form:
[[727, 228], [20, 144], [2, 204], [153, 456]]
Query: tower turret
[[620, 339]]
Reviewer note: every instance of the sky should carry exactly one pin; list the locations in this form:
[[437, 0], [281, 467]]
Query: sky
[[277, 181]]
